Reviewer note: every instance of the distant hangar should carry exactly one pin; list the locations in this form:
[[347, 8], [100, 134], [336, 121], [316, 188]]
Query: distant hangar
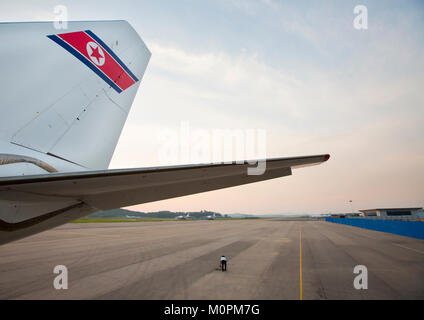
[[392, 212]]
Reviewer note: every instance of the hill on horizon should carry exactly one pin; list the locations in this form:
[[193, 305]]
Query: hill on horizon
[[123, 213]]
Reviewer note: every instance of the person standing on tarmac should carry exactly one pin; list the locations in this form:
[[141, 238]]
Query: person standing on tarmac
[[223, 263]]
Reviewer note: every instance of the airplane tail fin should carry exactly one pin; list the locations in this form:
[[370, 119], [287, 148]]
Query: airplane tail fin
[[68, 91]]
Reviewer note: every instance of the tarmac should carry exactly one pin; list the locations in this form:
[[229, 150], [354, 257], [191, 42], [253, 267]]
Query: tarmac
[[267, 259]]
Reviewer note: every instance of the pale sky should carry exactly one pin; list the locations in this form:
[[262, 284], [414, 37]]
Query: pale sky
[[298, 70]]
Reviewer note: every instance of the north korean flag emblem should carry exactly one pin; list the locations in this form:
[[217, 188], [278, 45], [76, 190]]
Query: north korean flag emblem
[[96, 55]]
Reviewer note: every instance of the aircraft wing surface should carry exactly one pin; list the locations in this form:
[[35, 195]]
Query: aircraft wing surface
[[108, 189]]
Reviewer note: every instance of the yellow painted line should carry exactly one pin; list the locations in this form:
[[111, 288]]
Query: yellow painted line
[[300, 263]]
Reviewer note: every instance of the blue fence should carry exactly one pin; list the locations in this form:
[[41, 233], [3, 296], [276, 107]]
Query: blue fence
[[414, 229]]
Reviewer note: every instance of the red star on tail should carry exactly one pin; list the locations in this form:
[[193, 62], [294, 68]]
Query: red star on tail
[[96, 54]]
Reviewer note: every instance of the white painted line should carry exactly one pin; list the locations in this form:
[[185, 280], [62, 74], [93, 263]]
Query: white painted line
[[409, 248]]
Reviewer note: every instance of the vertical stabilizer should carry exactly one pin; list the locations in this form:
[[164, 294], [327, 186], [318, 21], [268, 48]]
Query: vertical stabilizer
[[68, 92]]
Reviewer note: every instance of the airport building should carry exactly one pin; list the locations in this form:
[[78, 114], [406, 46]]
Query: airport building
[[392, 212]]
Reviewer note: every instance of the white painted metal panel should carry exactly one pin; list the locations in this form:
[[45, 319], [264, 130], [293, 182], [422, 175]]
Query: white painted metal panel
[[92, 139], [47, 88]]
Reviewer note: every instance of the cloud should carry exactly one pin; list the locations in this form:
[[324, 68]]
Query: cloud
[[249, 7], [307, 77], [370, 137]]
